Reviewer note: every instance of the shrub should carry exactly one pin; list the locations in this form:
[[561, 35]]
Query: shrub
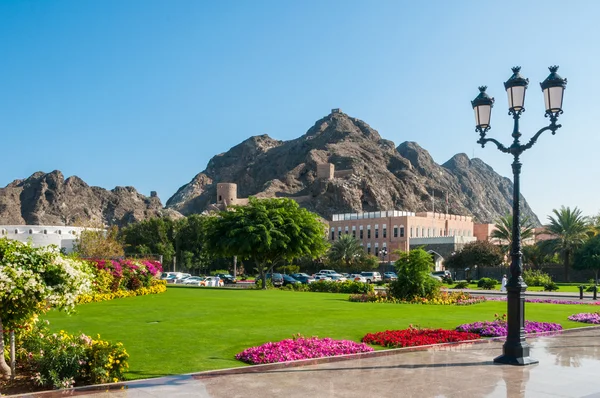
[[349, 287], [536, 278], [550, 287], [414, 280], [487, 283], [61, 360], [461, 285], [298, 287]]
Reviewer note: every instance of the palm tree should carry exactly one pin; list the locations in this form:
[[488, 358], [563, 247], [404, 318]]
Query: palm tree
[[570, 229], [504, 231], [346, 250]]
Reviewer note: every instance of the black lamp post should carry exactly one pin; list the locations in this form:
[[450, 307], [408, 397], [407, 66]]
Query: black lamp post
[[516, 349], [383, 252]]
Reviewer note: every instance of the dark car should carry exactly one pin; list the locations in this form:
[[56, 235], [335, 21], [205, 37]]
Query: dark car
[[303, 278], [227, 278], [276, 279], [288, 280]]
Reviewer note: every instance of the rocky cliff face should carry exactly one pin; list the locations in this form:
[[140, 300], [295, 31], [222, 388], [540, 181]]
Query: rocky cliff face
[[51, 200], [380, 176]]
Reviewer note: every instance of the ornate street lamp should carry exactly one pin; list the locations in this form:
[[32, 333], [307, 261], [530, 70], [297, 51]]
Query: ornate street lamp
[[383, 252], [515, 349]]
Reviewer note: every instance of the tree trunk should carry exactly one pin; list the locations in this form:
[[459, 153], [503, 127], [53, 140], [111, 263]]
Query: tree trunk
[[567, 266], [4, 368]]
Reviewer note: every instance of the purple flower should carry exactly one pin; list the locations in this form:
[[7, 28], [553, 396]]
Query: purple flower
[[300, 348], [546, 301], [498, 328], [586, 317]]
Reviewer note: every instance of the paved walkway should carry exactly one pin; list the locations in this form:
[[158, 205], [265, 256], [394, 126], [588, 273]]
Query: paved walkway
[[569, 366]]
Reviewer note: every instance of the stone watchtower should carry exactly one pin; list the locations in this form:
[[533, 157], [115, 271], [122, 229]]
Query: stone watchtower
[[226, 194], [325, 171]]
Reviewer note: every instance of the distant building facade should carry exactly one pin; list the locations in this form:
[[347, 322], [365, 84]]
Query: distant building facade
[[43, 235]]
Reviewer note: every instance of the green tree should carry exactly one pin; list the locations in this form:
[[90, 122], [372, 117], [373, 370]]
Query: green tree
[[152, 236], [504, 231], [33, 280], [482, 253], [570, 230], [346, 252], [97, 242], [534, 256], [190, 235], [588, 257], [267, 232], [414, 279]]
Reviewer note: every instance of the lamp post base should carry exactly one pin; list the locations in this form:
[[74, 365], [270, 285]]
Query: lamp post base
[[516, 360], [515, 350]]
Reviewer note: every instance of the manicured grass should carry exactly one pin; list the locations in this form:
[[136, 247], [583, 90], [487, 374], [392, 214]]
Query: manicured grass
[[193, 329]]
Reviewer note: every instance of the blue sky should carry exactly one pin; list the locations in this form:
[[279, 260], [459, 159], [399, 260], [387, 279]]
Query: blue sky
[[144, 93]]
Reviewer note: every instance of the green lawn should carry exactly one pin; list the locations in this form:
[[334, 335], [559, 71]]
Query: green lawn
[[193, 329]]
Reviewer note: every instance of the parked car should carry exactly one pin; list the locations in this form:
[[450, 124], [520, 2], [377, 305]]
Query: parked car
[[276, 279], [390, 276], [303, 278], [327, 272], [372, 277], [181, 277], [338, 278], [321, 277], [193, 280], [288, 280], [227, 278], [214, 281], [357, 278], [445, 276]]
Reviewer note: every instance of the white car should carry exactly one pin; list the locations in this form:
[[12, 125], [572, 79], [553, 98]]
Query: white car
[[212, 281], [193, 280], [357, 278], [321, 277]]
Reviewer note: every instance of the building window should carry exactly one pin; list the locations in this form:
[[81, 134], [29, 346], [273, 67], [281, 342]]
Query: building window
[[423, 232], [59, 232], [376, 251], [16, 231], [416, 232], [354, 233], [368, 249], [428, 232], [441, 233], [376, 233], [30, 231], [384, 232], [395, 231], [402, 232], [45, 232], [411, 232], [332, 234], [361, 233]]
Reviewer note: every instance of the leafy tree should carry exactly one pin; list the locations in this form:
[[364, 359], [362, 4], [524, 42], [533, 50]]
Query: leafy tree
[[346, 252], [534, 256], [588, 257], [190, 234], [504, 231], [414, 279], [570, 229], [97, 242], [482, 253], [266, 231], [33, 280], [152, 236]]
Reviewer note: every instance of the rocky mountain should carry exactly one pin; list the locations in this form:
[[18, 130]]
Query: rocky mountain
[[49, 199], [371, 174]]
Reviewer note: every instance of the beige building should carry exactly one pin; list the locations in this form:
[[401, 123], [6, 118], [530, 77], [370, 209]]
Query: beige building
[[399, 230]]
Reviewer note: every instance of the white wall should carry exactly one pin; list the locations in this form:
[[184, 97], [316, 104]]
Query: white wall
[[42, 235]]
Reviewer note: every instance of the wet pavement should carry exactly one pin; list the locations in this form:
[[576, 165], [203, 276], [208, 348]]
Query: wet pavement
[[569, 366]]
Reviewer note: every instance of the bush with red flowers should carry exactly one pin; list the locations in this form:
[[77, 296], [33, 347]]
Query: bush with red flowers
[[413, 337]]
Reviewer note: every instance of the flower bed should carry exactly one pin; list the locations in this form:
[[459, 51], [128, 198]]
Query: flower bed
[[412, 337], [586, 317], [62, 360], [497, 327], [158, 286], [298, 348], [547, 301], [444, 298]]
